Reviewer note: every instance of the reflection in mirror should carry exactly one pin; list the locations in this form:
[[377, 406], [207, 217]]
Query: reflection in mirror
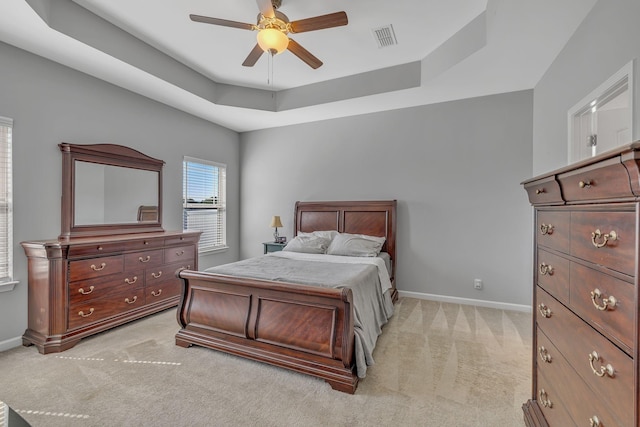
[[106, 194], [603, 120]]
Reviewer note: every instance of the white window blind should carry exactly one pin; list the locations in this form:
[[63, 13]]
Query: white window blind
[[204, 202], [6, 204]]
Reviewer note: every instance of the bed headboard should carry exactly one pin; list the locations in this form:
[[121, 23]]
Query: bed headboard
[[374, 218]]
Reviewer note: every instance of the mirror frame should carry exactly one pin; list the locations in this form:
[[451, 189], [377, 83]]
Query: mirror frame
[[105, 154]]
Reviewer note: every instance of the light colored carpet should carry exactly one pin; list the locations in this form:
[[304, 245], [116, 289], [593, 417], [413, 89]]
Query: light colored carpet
[[437, 364]]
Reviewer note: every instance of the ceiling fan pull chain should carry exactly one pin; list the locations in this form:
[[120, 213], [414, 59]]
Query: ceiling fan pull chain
[[270, 70]]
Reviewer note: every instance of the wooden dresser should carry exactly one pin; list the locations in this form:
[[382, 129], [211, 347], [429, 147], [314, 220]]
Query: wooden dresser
[[586, 300], [86, 285], [113, 262]]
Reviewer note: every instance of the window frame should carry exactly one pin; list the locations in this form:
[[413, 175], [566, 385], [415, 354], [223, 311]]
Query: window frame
[[204, 245], [7, 281]]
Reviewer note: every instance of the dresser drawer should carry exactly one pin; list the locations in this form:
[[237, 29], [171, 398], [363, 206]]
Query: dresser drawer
[[144, 259], [84, 313], [163, 273], [180, 254], [614, 319], [95, 267], [605, 238], [577, 341], [544, 191], [553, 274], [181, 239], [143, 244], [553, 229], [552, 407], [89, 289], [95, 249], [578, 400], [607, 180], [163, 290]]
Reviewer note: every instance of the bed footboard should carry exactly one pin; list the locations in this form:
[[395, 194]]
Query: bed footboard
[[303, 328]]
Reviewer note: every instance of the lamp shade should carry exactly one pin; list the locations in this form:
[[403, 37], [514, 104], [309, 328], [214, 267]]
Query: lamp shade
[[275, 222], [272, 40]]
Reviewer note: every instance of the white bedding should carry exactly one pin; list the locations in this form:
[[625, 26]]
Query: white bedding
[[383, 274]]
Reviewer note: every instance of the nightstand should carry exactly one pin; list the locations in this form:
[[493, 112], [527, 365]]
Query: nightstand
[[273, 247]]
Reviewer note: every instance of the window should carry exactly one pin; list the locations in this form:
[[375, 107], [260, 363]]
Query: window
[[204, 202], [6, 207]]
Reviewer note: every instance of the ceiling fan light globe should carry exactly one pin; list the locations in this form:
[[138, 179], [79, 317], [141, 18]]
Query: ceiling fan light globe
[[272, 40]]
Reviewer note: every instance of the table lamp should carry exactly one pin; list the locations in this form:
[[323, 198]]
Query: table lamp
[[275, 222]]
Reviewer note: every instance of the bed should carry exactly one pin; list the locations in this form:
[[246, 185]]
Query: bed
[[293, 325]]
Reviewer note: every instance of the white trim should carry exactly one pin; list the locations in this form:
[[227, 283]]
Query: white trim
[[212, 250], [10, 343], [625, 71], [467, 301], [8, 286], [206, 162]]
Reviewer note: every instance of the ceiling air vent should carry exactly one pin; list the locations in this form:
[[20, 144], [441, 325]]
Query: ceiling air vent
[[384, 36]]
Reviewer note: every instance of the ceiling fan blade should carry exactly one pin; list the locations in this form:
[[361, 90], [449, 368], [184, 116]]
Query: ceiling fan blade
[[266, 8], [331, 20], [304, 54], [253, 57], [223, 22]]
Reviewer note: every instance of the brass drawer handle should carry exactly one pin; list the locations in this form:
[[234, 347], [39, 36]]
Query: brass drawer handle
[[544, 310], [546, 228], [179, 253], [595, 421], [132, 301], [597, 235], [81, 313], [102, 266], [544, 399], [604, 370], [83, 292], [608, 302], [156, 276], [546, 269], [540, 191], [156, 294], [585, 184], [544, 354], [147, 259], [131, 282]]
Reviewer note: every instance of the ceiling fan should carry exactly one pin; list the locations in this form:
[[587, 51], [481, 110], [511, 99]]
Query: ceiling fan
[[273, 27]]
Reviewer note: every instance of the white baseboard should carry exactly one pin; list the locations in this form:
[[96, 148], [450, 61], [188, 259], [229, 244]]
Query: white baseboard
[[467, 301], [10, 343]]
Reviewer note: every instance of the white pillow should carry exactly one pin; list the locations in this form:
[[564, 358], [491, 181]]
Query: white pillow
[[325, 234], [355, 245], [307, 243]]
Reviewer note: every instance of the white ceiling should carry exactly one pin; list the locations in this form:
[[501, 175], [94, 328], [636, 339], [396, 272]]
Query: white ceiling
[[447, 50]]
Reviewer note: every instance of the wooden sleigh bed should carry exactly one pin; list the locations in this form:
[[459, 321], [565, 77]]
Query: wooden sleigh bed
[[304, 328]]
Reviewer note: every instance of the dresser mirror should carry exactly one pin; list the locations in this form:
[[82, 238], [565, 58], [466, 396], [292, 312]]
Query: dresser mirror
[[109, 189]]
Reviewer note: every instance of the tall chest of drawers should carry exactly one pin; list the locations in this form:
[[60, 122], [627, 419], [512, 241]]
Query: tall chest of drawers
[[82, 286], [585, 293]]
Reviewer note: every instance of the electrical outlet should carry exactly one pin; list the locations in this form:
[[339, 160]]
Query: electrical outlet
[[477, 284]]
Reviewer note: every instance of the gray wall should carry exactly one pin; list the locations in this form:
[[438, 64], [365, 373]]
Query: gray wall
[[605, 41], [50, 104], [455, 169]]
